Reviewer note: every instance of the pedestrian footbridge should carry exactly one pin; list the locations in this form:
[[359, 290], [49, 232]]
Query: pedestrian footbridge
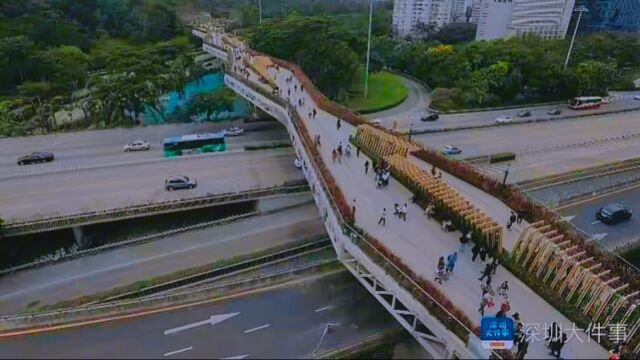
[[395, 262]]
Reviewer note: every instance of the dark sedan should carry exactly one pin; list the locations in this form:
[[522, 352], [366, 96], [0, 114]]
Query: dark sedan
[[613, 214], [36, 157]]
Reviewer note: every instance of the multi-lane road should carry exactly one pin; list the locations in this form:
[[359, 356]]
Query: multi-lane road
[[285, 322], [124, 266], [550, 147], [92, 172]]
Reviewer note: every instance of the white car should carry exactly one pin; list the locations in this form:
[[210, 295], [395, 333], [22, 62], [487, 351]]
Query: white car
[[234, 131], [636, 97], [137, 145], [451, 150], [504, 119]]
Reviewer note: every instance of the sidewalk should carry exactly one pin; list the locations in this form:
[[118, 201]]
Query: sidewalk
[[420, 243]]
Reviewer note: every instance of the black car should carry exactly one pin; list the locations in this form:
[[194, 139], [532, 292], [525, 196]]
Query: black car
[[35, 157], [429, 117], [613, 214], [554, 112], [524, 113]]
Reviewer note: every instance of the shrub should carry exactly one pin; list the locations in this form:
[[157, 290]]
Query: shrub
[[446, 99], [500, 157]]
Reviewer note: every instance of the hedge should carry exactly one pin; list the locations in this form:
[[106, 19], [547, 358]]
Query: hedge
[[500, 157]]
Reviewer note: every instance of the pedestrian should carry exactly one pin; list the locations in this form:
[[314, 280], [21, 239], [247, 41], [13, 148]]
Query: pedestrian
[[314, 113], [512, 219], [486, 272], [334, 155], [556, 346], [439, 174], [486, 299], [494, 265], [353, 209], [483, 253], [451, 262], [404, 211], [553, 334], [383, 217], [505, 307], [503, 290], [523, 346], [338, 124], [433, 170], [518, 334], [519, 216], [396, 210], [357, 151], [288, 92], [428, 211], [348, 151], [340, 148], [440, 270], [301, 87], [475, 251], [366, 167], [465, 239]]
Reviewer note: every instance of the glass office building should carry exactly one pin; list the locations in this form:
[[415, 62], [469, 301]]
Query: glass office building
[[611, 15]]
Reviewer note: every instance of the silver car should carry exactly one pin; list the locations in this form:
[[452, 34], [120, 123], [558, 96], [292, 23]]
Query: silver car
[[137, 145], [179, 182]]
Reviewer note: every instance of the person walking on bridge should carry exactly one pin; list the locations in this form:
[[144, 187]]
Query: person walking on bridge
[[338, 124], [366, 167], [486, 272], [383, 217]]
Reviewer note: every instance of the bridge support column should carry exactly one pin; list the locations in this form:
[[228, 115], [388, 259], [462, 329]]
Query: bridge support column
[[80, 237]]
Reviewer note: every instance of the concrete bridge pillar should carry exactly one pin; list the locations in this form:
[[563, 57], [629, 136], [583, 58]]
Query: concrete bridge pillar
[[81, 238]]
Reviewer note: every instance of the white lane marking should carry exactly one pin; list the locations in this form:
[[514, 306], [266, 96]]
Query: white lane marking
[[256, 328], [179, 351], [568, 218], [214, 319], [596, 222], [322, 309], [598, 237], [239, 357]]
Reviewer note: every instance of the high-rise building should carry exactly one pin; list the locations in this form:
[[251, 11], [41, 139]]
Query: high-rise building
[[407, 14], [459, 10], [505, 18], [613, 15]]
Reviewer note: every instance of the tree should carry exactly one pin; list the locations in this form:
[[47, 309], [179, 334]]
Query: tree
[[595, 77], [210, 104], [69, 65], [455, 33]]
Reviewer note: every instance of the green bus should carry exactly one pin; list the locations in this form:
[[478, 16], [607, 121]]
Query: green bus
[[193, 143]]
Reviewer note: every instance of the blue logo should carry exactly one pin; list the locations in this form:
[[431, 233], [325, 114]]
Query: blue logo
[[496, 332]]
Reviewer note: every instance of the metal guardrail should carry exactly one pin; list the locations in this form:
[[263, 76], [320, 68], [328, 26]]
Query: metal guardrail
[[598, 191], [95, 217], [136, 240], [269, 259]]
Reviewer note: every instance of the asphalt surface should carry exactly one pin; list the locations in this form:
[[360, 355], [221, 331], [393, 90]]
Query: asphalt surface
[[404, 114], [584, 216], [626, 101], [123, 266], [547, 148], [285, 322], [69, 192]]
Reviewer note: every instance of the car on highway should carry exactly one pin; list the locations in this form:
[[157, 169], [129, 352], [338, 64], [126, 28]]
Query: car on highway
[[36, 157], [554, 112], [505, 119], [451, 150], [636, 97], [613, 213], [137, 145], [234, 131], [524, 113], [178, 182], [429, 116]]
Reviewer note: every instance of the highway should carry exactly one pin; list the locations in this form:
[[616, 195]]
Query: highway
[[404, 114], [285, 322], [123, 266], [625, 101], [583, 215], [550, 147], [62, 193]]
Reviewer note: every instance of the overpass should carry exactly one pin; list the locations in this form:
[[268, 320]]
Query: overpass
[[395, 262]]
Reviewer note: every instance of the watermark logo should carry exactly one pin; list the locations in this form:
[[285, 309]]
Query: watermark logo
[[496, 332]]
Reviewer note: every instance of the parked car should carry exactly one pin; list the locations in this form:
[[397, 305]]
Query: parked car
[[137, 145], [504, 119], [613, 214], [178, 182], [636, 97], [429, 116], [451, 150], [554, 112], [36, 157], [234, 131], [524, 113]]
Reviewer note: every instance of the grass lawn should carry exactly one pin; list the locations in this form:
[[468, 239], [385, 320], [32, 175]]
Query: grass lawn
[[385, 91]]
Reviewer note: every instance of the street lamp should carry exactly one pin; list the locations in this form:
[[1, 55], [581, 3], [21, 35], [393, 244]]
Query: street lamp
[[506, 173], [366, 73], [260, 10], [579, 10], [410, 130]]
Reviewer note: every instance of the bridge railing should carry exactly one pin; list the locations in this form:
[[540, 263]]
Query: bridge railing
[[94, 217], [430, 297]]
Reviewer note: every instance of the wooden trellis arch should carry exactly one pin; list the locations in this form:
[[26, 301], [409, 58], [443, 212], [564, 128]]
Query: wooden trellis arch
[[380, 143]]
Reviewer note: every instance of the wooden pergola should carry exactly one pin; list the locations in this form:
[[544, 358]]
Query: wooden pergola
[[446, 197], [580, 280], [380, 143]]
